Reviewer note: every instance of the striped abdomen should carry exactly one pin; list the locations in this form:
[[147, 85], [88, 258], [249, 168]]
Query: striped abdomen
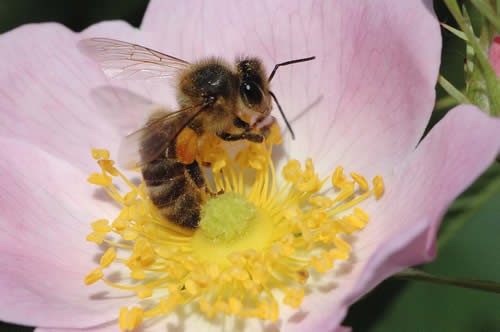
[[175, 189]]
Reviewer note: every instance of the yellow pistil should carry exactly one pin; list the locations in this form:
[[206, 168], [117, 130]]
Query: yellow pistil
[[226, 217], [257, 242]]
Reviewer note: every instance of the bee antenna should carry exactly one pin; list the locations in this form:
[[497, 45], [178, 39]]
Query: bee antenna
[[282, 114], [288, 63]]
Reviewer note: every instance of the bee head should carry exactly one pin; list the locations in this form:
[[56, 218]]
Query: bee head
[[254, 89]]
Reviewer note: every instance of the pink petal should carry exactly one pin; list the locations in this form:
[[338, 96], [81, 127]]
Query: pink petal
[[109, 327], [45, 89], [494, 55], [404, 224], [46, 208], [367, 97], [343, 329]]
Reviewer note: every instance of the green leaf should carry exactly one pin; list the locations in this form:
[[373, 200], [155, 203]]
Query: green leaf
[[487, 11], [454, 31], [452, 91]]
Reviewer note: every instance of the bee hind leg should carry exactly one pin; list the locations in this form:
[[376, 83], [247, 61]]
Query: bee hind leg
[[196, 176], [212, 194]]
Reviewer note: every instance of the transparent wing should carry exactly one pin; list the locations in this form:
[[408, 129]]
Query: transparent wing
[[124, 60], [126, 109], [149, 142]]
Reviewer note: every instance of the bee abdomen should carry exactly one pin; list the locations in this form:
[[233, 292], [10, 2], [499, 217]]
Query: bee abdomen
[[196, 175], [161, 171], [185, 211], [174, 188], [166, 193]]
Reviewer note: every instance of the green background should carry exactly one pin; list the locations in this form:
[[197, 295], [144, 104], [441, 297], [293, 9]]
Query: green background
[[469, 239]]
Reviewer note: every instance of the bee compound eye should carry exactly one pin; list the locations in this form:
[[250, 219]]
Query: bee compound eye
[[251, 93]]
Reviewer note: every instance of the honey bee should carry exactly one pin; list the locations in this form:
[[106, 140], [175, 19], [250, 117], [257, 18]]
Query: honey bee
[[231, 102]]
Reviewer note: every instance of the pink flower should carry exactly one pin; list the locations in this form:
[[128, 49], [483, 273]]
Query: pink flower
[[363, 103], [494, 54]]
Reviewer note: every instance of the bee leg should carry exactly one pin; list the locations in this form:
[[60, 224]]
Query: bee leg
[[265, 130], [257, 134], [212, 194], [231, 137], [241, 124], [196, 175], [256, 138]]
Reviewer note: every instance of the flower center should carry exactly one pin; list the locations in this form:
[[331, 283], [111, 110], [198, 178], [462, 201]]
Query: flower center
[[256, 243], [226, 217]]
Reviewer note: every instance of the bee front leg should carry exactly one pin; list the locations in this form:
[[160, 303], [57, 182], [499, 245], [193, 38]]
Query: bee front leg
[[256, 134], [252, 137], [264, 126]]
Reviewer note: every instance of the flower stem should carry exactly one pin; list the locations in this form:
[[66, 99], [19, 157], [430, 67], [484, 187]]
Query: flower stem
[[417, 275], [445, 103], [489, 75], [452, 91], [487, 11]]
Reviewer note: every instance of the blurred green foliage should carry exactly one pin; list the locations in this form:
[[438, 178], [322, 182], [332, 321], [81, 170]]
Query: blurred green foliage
[[469, 236], [74, 14]]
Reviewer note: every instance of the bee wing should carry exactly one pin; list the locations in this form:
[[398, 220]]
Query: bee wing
[[113, 102], [149, 142], [124, 60]]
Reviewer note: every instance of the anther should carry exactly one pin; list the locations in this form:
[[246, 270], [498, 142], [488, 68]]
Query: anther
[[378, 184], [98, 154], [338, 177], [96, 237], [360, 180], [293, 297], [100, 179], [361, 214], [108, 257], [130, 319], [143, 292], [292, 171], [101, 226], [346, 191], [94, 276], [108, 166]]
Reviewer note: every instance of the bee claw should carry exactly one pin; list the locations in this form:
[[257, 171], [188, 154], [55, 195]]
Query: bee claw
[[212, 194]]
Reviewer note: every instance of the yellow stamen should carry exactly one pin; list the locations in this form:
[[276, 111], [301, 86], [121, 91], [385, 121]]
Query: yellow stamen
[[100, 154], [338, 177], [256, 243], [101, 226], [360, 180], [93, 276], [96, 237], [100, 179], [378, 182], [130, 319], [108, 257]]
